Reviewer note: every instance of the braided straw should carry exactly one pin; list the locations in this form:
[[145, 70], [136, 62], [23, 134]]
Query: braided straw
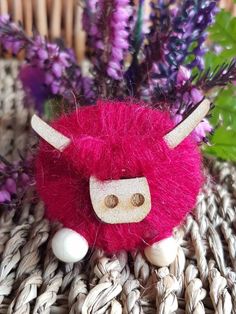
[[202, 279]]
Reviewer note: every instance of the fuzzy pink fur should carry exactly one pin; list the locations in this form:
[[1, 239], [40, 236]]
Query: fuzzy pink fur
[[113, 140]]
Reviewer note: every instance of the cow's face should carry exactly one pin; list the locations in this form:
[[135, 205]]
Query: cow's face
[[120, 201]]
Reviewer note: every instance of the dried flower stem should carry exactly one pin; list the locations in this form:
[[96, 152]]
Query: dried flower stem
[[220, 76]]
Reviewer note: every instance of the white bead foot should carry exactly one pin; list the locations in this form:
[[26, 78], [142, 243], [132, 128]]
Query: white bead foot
[[69, 246], [162, 253]]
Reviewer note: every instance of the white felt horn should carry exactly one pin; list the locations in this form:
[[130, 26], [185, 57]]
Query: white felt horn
[[50, 135], [181, 131]]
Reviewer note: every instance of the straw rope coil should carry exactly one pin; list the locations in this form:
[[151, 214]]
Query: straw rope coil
[[202, 279]]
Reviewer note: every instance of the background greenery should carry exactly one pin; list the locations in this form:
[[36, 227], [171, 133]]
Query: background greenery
[[222, 36]]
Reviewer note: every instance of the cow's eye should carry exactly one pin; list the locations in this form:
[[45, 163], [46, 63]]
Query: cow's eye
[[137, 199], [111, 201]]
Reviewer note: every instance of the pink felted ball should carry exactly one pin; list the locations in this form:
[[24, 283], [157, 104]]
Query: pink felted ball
[[114, 140]]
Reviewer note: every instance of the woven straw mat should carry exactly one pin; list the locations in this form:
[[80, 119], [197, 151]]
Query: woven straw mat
[[202, 279]]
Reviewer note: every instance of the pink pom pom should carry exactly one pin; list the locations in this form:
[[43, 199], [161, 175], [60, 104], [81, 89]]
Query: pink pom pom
[[114, 140]]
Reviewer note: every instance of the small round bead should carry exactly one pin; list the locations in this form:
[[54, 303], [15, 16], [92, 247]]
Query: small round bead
[[69, 246], [162, 253]]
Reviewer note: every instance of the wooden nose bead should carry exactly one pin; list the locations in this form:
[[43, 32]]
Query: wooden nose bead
[[111, 201], [137, 199]]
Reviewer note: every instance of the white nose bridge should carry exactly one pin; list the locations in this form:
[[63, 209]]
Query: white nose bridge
[[120, 201]]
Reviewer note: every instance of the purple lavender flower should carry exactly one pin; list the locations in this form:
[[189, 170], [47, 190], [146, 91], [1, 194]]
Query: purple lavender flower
[[14, 180], [12, 37], [158, 70], [183, 75], [55, 63], [33, 80], [56, 67], [107, 28], [119, 38], [173, 34], [189, 26], [93, 20], [4, 196], [201, 132], [90, 17]]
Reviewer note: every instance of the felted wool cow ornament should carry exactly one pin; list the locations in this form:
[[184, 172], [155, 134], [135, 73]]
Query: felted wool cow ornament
[[118, 176]]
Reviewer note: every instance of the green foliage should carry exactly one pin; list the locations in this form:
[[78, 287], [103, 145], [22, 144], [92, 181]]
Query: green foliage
[[53, 108], [224, 119], [224, 30], [223, 34]]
